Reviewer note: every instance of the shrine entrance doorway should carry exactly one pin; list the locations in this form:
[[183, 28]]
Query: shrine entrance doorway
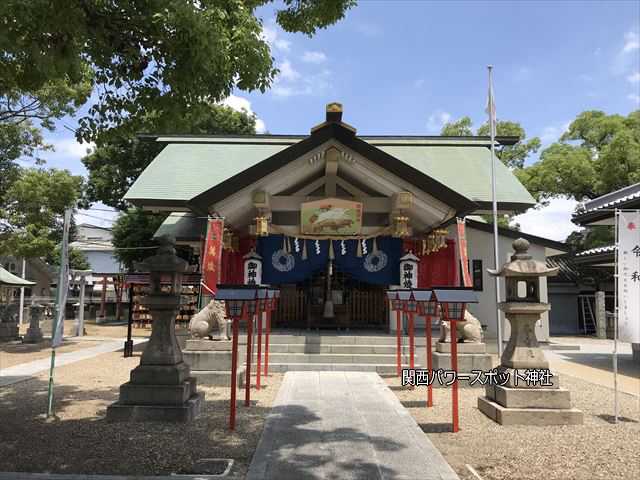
[[356, 304]]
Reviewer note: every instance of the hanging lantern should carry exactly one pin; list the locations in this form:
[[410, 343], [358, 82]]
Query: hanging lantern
[[401, 226], [262, 226], [441, 238]]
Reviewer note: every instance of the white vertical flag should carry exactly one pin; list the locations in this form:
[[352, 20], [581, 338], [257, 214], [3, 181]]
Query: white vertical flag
[[629, 276], [63, 281], [490, 109]]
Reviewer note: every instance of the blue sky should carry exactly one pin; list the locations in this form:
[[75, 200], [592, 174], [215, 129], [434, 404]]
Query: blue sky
[[406, 67]]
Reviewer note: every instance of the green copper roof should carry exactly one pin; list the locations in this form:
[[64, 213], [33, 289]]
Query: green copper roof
[[463, 169], [8, 279], [184, 170]]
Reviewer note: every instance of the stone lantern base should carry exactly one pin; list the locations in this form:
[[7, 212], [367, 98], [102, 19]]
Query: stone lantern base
[[471, 356], [157, 392], [210, 362], [529, 405], [9, 332]]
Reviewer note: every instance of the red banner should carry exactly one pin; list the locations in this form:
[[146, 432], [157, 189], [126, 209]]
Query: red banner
[[464, 262], [439, 268], [212, 255]]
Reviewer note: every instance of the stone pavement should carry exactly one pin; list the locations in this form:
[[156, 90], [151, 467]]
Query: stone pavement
[[25, 371], [343, 425], [594, 363]]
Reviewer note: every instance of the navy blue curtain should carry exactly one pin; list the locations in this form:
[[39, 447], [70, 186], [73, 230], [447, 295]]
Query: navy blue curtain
[[279, 266], [381, 268]]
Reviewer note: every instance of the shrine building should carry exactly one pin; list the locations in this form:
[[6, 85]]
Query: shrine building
[[332, 213]]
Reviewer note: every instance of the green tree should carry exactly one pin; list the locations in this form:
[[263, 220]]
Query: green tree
[[167, 56], [599, 154], [132, 233], [23, 115], [513, 156], [32, 215], [77, 258], [114, 166]]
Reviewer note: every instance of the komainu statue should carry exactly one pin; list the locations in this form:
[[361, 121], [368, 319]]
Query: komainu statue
[[202, 322], [470, 330]]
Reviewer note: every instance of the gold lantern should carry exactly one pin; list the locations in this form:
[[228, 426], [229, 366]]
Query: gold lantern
[[401, 226], [440, 238], [262, 226]]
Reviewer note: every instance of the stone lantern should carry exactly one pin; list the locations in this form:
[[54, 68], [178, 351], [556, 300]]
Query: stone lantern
[[531, 395], [161, 387]]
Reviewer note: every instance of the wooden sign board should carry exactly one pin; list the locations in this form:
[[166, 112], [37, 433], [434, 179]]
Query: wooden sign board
[[331, 216]]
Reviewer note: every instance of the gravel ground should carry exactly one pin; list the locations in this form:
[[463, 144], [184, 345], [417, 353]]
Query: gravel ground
[[100, 330], [15, 353], [78, 439], [596, 450]]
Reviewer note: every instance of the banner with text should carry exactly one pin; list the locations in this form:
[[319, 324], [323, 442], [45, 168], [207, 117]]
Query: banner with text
[[629, 276], [211, 255], [462, 245]]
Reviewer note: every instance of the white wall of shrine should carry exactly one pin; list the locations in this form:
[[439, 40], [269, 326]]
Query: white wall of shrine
[[480, 247]]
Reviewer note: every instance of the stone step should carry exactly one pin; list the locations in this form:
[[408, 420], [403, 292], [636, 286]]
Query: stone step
[[342, 349], [339, 339], [338, 358], [349, 367]]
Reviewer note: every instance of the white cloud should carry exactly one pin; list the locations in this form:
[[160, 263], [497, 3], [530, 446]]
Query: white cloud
[[634, 78], [551, 133], [419, 83], [437, 121], [627, 59], [597, 52], [287, 72], [368, 29], [634, 97], [68, 147], [523, 74], [273, 38], [552, 221], [585, 78], [633, 43], [240, 104], [314, 57]]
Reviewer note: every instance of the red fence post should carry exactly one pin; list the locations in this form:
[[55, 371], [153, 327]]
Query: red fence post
[[266, 345], [454, 367], [247, 390], [399, 343], [430, 386], [412, 365], [259, 316], [234, 372]]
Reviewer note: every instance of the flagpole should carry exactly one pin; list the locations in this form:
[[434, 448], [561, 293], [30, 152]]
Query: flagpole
[[615, 317], [496, 253], [61, 298]]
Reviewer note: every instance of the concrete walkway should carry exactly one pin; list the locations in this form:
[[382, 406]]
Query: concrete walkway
[[25, 371], [343, 425], [594, 363]]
